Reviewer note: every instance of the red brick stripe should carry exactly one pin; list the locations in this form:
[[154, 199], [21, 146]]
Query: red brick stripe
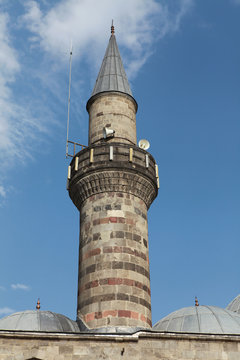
[[92, 252], [125, 265], [114, 249], [117, 313]]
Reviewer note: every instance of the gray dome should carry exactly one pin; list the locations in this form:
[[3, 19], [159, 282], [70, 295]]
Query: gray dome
[[36, 320], [200, 319], [234, 305]]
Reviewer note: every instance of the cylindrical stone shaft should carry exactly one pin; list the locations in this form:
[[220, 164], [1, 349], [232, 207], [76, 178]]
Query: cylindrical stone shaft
[[113, 185], [114, 284], [113, 110]]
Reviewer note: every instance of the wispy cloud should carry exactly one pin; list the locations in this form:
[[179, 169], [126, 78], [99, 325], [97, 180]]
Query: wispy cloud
[[139, 23], [237, 2], [18, 125], [20, 287], [2, 193], [26, 113], [6, 311], [9, 66]]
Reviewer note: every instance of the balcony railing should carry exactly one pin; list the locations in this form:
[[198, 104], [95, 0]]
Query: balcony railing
[[73, 147]]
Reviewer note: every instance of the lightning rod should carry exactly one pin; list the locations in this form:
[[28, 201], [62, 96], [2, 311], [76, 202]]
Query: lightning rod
[[69, 94]]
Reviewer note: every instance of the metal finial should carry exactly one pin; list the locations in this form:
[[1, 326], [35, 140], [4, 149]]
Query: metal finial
[[112, 29], [38, 304], [196, 301]]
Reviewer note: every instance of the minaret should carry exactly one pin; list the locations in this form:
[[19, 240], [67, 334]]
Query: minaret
[[113, 183]]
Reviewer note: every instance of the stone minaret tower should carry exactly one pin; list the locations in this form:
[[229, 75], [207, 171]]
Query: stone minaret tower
[[113, 183]]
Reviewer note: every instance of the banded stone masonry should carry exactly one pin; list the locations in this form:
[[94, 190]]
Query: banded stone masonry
[[113, 197], [113, 183]]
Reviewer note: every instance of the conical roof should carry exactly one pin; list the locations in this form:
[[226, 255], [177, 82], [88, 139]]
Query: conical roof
[[112, 76]]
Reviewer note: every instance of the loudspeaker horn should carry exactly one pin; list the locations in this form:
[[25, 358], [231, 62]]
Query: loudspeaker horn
[[144, 144], [107, 132]]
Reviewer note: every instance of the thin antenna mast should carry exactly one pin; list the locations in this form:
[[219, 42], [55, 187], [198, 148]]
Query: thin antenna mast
[[69, 94]]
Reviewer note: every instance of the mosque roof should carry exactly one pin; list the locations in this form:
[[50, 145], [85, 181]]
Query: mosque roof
[[234, 305], [36, 320], [200, 319], [112, 76]]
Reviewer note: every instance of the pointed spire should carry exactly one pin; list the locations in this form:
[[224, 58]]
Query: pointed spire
[[38, 305], [112, 29], [112, 76]]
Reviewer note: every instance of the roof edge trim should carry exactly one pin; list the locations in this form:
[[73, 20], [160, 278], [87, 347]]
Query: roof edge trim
[[102, 93]]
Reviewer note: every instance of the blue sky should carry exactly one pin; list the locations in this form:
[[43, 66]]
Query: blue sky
[[182, 58]]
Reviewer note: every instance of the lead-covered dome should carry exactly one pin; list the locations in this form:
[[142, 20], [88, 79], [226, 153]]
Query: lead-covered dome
[[200, 319], [36, 320], [234, 305]]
